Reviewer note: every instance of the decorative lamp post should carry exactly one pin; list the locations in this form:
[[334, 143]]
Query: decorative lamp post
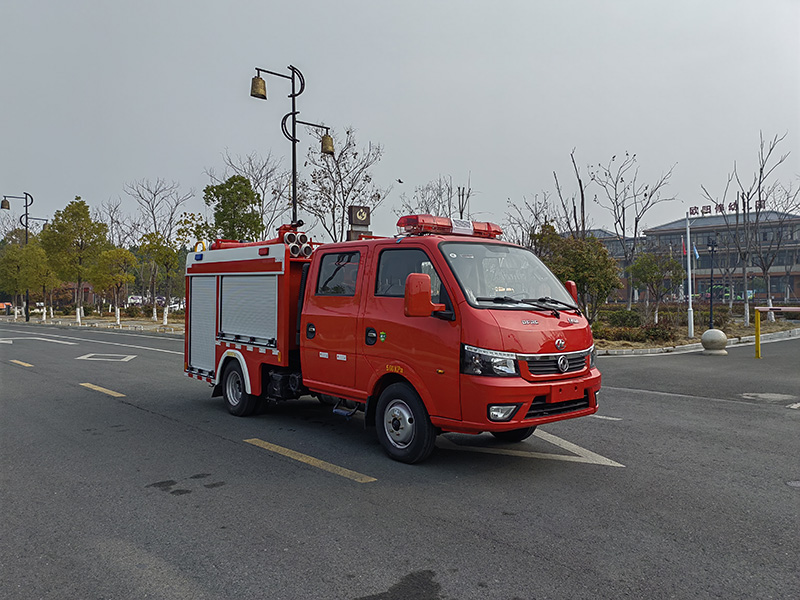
[[258, 89], [5, 205], [712, 247]]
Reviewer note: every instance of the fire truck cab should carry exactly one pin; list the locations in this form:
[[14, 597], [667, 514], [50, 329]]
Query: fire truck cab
[[443, 328]]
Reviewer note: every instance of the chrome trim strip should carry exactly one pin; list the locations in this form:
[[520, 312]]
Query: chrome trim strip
[[575, 354]]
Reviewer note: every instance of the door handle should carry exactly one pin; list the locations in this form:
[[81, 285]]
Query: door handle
[[311, 331], [371, 336]]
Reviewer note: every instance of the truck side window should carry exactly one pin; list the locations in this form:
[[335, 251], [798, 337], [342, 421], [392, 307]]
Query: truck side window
[[394, 266], [337, 274]]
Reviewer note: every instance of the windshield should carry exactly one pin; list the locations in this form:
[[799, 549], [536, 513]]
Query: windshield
[[495, 275]]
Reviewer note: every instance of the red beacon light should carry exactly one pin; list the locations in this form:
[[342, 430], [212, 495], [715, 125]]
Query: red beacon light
[[421, 224]]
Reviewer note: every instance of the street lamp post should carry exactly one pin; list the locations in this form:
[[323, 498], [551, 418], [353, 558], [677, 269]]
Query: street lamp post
[[712, 247], [258, 89], [7, 206]]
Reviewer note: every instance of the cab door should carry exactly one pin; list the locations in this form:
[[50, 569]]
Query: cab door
[[329, 321], [424, 350]]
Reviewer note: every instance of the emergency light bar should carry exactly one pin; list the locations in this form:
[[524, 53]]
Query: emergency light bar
[[419, 224]]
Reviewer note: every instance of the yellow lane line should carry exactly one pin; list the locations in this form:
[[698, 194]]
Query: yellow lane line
[[310, 460], [97, 388], [20, 363]]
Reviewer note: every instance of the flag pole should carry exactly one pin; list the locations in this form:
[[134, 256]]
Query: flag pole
[[690, 314]]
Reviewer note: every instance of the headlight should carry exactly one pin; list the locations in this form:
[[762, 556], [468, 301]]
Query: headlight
[[477, 361], [592, 357]]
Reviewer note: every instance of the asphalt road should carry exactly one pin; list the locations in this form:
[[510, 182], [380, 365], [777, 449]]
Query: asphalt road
[[687, 486]]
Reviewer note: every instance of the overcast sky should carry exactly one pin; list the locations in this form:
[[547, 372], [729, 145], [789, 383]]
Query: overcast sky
[[96, 94]]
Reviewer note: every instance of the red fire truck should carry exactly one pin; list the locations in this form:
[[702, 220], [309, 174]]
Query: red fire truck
[[442, 328]]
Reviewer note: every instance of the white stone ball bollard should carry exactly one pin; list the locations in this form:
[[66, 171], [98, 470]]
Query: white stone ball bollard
[[714, 342]]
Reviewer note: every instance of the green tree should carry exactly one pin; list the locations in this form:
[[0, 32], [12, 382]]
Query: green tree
[[72, 243], [161, 259], [236, 209], [660, 274], [11, 275], [584, 261], [113, 271], [38, 273]]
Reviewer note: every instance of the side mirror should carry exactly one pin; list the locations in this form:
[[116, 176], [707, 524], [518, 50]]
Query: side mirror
[[418, 296], [572, 289]]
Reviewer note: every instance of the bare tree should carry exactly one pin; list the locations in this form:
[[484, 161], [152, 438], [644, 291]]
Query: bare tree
[[774, 204], [438, 197], [270, 182], [756, 221], [340, 181], [628, 199], [123, 229], [574, 206], [524, 221], [158, 202]]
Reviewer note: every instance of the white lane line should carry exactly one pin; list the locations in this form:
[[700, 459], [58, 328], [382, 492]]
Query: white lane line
[[88, 341], [672, 395], [580, 455], [606, 418], [8, 340]]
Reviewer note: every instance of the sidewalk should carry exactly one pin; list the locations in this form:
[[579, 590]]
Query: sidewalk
[[148, 325]]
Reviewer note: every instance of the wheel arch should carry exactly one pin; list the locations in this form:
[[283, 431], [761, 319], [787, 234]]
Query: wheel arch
[[227, 357], [380, 385]]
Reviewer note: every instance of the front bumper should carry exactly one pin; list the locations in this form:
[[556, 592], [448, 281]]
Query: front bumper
[[539, 402]]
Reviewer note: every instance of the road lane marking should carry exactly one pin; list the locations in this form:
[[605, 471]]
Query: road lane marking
[[580, 455], [310, 460], [108, 357], [674, 395], [97, 388], [8, 340], [796, 405], [606, 418], [90, 341], [20, 363]]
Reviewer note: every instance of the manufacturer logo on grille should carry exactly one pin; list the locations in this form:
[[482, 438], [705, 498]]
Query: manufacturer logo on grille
[[563, 364], [561, 344]]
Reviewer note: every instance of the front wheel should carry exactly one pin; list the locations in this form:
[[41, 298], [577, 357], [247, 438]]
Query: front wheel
[[515, 435], [238, 401], [403, 425]]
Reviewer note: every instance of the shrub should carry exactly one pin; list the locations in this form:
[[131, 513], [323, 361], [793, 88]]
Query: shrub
[[132, 312], [624, 318]]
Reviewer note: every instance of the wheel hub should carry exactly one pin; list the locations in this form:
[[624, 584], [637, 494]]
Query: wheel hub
[[399, 423]]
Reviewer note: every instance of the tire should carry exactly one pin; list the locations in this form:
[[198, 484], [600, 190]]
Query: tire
[[238, 401], [404, 428], [514, 435]]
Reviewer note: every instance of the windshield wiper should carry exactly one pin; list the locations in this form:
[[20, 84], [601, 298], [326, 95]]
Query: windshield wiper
[[510, 300], [549, 300]]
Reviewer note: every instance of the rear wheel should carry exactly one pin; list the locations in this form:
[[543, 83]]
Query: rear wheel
[[238, 401], [515, 435], [403, 425]]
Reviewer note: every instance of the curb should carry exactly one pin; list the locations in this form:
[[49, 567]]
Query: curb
[[736, 341]]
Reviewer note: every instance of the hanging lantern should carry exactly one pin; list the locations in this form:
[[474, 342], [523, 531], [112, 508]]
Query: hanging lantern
[[5, 204], [327, 145], [258, 88]]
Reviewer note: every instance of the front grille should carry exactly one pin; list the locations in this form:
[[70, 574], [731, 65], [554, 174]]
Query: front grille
[[541, 408], [548, 364]]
